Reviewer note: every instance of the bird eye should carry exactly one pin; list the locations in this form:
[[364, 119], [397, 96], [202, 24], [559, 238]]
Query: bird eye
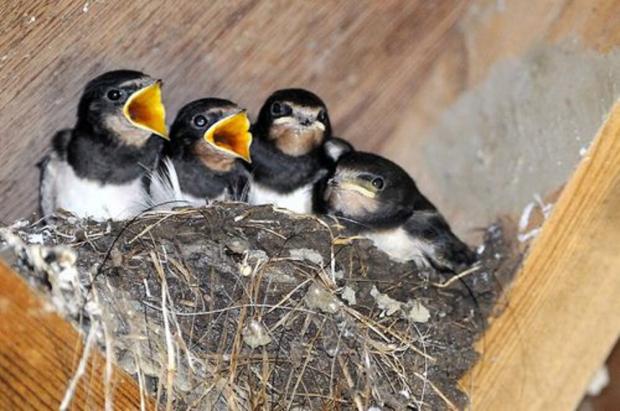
[[276, 108], [114, 94], [378, 183], [200, 121], [322, 116], [280, 109]]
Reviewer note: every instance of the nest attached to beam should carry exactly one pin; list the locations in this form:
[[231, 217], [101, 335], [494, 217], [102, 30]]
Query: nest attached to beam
[[239, 307]]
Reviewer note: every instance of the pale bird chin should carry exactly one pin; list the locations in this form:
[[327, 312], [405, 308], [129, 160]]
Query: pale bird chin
[[333, 197], [125, 131], [351, 204], [296, 140]]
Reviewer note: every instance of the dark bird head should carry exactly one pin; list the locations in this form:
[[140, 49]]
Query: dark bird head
[[125, 104], [295, 121], [371, 190], [214, 130]]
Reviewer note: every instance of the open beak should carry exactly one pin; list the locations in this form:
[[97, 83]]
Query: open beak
[[144, 109], [231, 135]]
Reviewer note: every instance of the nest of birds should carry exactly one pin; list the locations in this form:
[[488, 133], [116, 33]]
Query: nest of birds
[[239, 307]]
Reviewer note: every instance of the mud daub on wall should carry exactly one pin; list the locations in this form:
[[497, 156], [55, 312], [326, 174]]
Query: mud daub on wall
[[519, 133]]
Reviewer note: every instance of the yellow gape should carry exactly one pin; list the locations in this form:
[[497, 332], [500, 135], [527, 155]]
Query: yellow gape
[[145, 110], [231, 135]]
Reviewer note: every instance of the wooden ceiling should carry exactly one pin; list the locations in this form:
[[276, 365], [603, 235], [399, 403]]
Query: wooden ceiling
[[365, 58]]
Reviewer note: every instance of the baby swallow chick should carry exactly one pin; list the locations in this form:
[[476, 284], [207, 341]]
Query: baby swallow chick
[[208, 139], [379, 200], [96, 169], [288, 160]]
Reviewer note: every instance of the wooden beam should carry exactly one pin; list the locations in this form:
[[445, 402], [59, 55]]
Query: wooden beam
[[563, 313], [39, 354], [364, 58]]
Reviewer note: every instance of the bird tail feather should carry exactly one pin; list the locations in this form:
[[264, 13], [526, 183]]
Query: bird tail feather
[[446, 250], [165, 189]]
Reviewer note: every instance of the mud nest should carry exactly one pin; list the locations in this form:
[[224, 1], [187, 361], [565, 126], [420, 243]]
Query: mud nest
[[239, 307]]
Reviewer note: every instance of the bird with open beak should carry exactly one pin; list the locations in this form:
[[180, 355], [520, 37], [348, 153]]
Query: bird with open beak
[[208, 141], [288, 159], [377, 199], [96, 169]]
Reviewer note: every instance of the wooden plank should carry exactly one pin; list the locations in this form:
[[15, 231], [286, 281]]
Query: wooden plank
[[563, 315], [39, 353], [364, 58]]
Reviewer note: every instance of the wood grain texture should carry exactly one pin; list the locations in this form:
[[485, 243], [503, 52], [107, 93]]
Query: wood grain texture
[[364, 57], [563, 314], [388, 70], [39, 353]]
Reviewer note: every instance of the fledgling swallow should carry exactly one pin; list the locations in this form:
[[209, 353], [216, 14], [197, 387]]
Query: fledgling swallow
[[379, 200], [208, 139], [96, 169], [288, 159]]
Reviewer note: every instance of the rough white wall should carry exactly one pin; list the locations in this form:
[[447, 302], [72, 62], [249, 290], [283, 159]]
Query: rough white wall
[[519, 133]]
